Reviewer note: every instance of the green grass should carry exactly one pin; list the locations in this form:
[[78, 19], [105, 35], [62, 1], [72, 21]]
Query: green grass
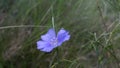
[[93, 26]]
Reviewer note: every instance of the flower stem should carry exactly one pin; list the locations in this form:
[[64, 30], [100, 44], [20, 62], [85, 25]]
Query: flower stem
[[53, 21], [53, 24]]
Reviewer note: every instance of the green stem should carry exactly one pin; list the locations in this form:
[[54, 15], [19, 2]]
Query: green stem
[[20, 26], [53, 20]]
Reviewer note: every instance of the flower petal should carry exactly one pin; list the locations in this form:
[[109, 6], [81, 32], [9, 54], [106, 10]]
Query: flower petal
[[62, 36], [50, 34], [47, 49], [42, 44]]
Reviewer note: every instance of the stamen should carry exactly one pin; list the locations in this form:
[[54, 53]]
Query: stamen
[[54, 41]]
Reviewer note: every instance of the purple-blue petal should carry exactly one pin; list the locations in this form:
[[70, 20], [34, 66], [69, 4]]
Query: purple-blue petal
[[47, 49], [62, 36], [49, 35], [42, 44]]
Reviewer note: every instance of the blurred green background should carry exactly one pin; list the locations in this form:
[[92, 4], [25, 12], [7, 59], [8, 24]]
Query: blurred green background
[[94, 26]]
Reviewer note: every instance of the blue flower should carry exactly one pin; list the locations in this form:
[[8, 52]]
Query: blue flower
[[50, 40]]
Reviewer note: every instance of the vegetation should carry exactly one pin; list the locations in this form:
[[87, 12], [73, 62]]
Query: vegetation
[[93, 26]]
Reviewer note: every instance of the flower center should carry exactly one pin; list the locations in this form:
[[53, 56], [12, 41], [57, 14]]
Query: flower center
[[53, 41]]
